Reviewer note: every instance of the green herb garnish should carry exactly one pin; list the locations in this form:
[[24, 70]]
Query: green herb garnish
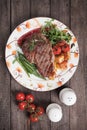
[[31, 47], [34, 42], [54, 34]]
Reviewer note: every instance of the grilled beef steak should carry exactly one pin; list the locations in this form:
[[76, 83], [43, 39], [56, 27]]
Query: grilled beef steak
[[38, 50]]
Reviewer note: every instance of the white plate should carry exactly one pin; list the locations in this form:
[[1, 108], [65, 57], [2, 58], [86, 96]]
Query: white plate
[[33, 82]]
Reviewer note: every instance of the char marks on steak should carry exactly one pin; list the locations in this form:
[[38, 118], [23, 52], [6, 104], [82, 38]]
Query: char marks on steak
[[41, 54]]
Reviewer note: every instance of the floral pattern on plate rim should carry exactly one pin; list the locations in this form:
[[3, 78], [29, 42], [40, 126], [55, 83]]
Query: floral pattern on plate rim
[[33, 82]]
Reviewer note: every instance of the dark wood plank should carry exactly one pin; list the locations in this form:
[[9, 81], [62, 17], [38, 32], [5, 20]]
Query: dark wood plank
[[41, 8], [78, 113], [60, 11], [5, 76], [20, 11]]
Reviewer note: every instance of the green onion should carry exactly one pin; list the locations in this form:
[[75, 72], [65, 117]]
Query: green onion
[[27, 66]]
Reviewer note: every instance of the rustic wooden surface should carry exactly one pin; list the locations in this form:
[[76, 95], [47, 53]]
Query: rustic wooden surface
[[73, 13]]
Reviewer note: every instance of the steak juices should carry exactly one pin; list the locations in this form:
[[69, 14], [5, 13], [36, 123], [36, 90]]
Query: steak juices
[[38, 50]]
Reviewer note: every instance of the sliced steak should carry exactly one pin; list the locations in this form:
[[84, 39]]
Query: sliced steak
[[41, 54], [44, 58]]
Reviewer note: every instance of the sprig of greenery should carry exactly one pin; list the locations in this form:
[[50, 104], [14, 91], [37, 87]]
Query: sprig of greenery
[[34, 42], [54, 34], [31, 47]]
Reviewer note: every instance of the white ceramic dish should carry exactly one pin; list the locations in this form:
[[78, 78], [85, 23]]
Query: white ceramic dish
[[33, 82]]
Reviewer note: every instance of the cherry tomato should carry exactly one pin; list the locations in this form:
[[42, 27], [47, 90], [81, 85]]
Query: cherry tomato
[[20, 96], [34, 117], [65, 48], [22, 105], [31, 108], [61, 43], [57, 50], [30, 98], [40, 110]]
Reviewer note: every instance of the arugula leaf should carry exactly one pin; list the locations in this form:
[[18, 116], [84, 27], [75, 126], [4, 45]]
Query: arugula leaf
[[54, 34]]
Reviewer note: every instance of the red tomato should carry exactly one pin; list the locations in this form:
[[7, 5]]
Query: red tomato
[[56, 50], [40, 110], [20, 96], [31, 108], [30, 98], [65, 48], [22, 105], [34, 117], [61, 43]]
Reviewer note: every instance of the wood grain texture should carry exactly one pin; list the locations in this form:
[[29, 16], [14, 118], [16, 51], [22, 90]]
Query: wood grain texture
[[40, 8], [60, 11], [20, 11], [4, 74], [78, 113], [74, 15]]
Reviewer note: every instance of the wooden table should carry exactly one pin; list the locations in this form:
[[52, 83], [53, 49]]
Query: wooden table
[[73, 13]]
